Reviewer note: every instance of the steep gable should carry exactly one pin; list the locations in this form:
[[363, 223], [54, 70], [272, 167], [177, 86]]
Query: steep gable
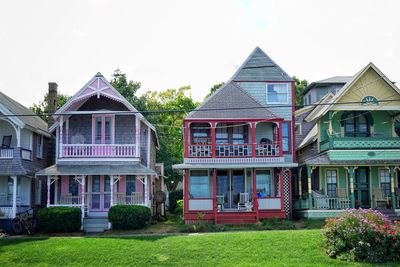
[[230, 102], [260, 67]]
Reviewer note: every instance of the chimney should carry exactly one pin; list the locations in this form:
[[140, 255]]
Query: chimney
[[52, 101]]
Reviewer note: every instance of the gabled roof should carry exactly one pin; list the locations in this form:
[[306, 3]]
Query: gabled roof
[[260, 67], [340, 80], [335, 99], [231, 102], [9, 106], [99, 86]]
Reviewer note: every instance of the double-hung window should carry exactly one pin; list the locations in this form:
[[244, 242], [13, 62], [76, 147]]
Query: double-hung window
[[39, 147], [199, 184], [384, 178], [331, 182], [264, 183], [277, 93]]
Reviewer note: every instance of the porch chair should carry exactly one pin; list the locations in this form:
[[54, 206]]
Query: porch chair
[[379, 200], [220, 202], [321, 201], [6, 143], [243, 201], [343, 200]]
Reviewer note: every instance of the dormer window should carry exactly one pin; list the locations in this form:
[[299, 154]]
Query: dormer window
[[277, 93]]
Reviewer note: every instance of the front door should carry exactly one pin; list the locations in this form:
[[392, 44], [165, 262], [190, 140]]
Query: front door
[[100, 193], [361, 187], [230, 183]]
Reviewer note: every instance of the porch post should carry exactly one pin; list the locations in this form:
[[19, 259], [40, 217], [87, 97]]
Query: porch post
[[330, 115], [61, 135], [83, 197], [137, 137], [351, 181], [392, 190], [56, 191], [214, 171], [14, 204], [18, 136], [300, 187], [309, 174], [186, 139], [146, 191], [255, 200], [186, 190], [253, 139], [280, 139], [112, 190], [213, 140], [48, 191]]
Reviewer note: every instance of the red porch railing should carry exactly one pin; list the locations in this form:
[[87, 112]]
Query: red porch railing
[[98, 150], [234, 150]]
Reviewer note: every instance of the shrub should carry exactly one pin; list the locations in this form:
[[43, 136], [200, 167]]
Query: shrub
[[362, 235], [179, 206], [129, 216], [174, 196], [59, 219]]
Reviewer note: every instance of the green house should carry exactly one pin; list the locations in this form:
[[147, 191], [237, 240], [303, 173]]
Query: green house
[[348, 148]]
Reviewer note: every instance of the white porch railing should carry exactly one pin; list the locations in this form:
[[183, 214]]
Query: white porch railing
[[6, 212], [136, 198], [233, 150], [98, 150], [267, 150], [331, 203], [200, 151], [71, 200], [6, 153]]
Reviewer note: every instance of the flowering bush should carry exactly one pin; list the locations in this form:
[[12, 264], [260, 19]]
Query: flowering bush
[[362, 235]]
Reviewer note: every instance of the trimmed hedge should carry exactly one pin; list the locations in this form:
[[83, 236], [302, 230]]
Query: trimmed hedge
[[128, 217], [174, 196], [59, 219]]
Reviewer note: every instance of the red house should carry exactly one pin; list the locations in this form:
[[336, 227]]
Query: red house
[[239, 147]]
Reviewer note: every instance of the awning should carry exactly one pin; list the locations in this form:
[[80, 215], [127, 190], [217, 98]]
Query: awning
[[233, 166], [97, 169]]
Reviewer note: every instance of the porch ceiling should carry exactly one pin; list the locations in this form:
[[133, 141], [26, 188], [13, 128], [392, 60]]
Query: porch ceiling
[[97, 169]]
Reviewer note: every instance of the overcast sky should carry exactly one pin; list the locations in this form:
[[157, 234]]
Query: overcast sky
[[168, 44]]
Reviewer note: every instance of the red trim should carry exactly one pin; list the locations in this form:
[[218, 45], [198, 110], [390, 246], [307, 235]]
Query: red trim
[[235, 120], [293, 124], [253, 139], [186, 190], [280, 139], [213, 139], [185, 138]]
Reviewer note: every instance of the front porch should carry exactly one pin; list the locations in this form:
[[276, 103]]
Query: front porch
[[15, 195]]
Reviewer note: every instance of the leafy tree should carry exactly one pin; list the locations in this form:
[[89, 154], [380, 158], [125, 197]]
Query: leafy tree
[[214, 88], [299, 87], [42, 108], [127, 89]]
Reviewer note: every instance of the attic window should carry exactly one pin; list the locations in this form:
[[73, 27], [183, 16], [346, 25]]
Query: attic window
[[298, 129], [277, 93]]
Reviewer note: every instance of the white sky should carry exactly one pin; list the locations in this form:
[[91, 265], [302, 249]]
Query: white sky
[[168, 44]]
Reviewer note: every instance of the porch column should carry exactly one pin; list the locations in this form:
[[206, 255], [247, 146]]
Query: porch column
[[186, 190], [48, 191], [137, 137], [214, 171], [83, 196], [146, 191], [112, 190], [213, 139], [330, 115], [392, 190], [186, 139], [14, 203], [56, 191], [255, 200], [300, 187], [61, 135], [351, 181], [18, 132], [253, 139], [280, 139], [309, 174]]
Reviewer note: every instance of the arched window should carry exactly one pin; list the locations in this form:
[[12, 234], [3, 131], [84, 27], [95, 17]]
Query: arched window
[[357, 123]]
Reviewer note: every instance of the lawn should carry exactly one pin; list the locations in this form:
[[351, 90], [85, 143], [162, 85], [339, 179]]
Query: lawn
[[250, 248]]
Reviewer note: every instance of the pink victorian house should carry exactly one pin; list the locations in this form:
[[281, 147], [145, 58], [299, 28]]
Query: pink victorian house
[[105, 154]]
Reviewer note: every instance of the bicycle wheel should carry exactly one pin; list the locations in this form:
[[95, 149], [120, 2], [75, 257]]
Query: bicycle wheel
[[17, 227]]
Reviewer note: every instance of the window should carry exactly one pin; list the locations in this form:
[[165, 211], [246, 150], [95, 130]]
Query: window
[[222, 133], [264, 183], [201, 133], [277, 93], [39, 147], [285, 136], [298, 128], [130, 184], [229, 133], [384, 178], [103, 129], [356, 124], [199, 184], [73, 186], [331, 182], [238, 134], [397, 128]]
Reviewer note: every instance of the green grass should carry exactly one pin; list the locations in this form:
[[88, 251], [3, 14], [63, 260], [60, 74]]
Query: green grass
[[257, 248]]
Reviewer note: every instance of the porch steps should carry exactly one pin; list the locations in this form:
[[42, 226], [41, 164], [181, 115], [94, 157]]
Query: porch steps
[[236, 218], [95, 224], [390, 213]]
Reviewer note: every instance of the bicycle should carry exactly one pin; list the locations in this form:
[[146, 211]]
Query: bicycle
[[24, 222]]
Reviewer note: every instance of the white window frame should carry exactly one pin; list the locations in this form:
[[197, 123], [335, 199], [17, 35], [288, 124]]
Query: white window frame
[[39, 149], [287, 93], [297, 124]]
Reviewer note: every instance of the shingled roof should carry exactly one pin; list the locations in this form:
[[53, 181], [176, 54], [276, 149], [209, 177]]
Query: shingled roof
[[231, 102], [260, 67], [14, 108]]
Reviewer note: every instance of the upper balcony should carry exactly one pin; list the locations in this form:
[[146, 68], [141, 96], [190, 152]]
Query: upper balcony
[[239, 142], [16, 143], [371, 142]]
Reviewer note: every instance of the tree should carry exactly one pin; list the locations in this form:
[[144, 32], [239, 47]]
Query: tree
[[127, 89], [299, 87], [214, 88], [169, 126], [42, 108]]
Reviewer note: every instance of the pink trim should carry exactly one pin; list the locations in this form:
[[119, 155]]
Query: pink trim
[[64, 184], [138, 186], [122, 184]]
